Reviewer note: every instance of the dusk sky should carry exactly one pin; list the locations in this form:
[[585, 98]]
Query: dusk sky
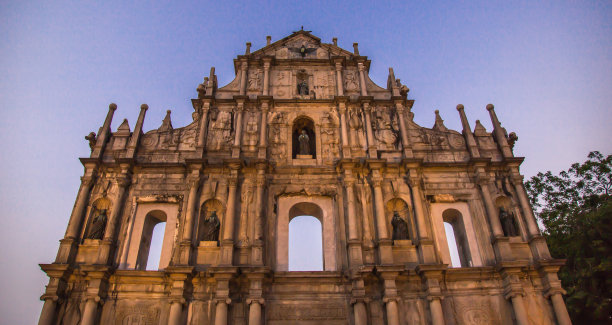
[[547, 67]]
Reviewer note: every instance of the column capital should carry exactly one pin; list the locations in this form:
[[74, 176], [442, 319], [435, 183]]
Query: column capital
[[123, 181], [87, 180], [226, 300], [258, 300]]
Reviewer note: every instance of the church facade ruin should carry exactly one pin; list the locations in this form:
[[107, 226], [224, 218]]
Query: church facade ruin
[[302, 130]]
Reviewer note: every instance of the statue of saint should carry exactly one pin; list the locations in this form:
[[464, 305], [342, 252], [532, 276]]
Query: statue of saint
[[98, 225], [210, 228], [400, 227], [507, 223], [303, 88], [304, 143]]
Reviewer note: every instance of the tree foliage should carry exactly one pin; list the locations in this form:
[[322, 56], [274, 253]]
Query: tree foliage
[[575, 208]]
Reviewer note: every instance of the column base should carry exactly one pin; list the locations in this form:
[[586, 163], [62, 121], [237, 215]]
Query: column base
[[67, 251], [226, 257], [184, 253], [539, 249], [503, 251], [355, 254], [427, 252], [104, 251], [385, 251]]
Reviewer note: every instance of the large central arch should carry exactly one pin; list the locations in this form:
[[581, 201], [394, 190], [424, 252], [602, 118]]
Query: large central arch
[[320, 207]]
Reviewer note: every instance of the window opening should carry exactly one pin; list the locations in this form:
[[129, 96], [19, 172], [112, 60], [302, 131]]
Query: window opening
[[452, 245], [305, 244], [151, 243]]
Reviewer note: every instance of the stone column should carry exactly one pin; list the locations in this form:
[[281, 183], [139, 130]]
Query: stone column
[[369, 132], [339, 84], [467, 133], [263, 131], [243, 77], [392, 312], [519, 309], [435, 307], [203, 124], [254, 311], [361, 315], [266, 77], [192, 202], [354, 244], [176, 310], [47, 315], [76, 217], [90, 312], [381, 221], [227, 248], [496, 228], [238, 133], [560, 309], [499, 133], [243, 239], [364, 90], [346, 150], [103, 132], [257, 252], [131, 148], [399, 107], [109, 234], [426, 245], [384, 242], [532, 225], [221, 311]]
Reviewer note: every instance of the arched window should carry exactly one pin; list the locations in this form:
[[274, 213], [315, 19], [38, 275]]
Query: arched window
[[456, 238], [307, 125], [305, 244], [151, 243]]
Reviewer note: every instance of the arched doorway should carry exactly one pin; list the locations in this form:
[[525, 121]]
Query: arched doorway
[[319, 208], [305, 244]]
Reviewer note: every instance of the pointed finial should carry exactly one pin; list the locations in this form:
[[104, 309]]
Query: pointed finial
[[335, 41], [460, 107], [302, 27], [356, 48], [439, 124], [167, 122], [248, 48], [490, 107], [112, 106], [144, 106], [268, 40]]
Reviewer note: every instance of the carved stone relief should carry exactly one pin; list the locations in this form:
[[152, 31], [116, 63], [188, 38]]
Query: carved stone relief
[[386, 129], [304, 311], [220, 132], [254, 83], [251, 135], [351, 83], [137, 315], [277, 135]]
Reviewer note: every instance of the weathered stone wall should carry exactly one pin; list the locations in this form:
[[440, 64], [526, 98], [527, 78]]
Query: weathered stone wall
[[382, 186]]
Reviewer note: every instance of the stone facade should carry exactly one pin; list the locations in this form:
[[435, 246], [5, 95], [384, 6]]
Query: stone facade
[[381, 185]]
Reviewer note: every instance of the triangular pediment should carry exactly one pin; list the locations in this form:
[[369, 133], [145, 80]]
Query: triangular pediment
[[300, 45]]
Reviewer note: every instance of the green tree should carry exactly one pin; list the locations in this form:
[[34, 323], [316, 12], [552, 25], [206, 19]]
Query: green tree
[[575, 208]]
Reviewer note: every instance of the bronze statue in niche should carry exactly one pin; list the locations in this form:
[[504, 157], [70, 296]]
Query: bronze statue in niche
[[304, 143], [507, 222], [98, 226], [400, 227], [303, 137], [210, 227]]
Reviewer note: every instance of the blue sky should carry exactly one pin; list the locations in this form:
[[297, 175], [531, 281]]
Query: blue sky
[[546, 65]]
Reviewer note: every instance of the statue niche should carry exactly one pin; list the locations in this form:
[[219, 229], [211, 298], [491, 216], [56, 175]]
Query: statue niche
[[209, 224], [400, 219], [98, 218], [303, 85], [506, 217], [303, 137]]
